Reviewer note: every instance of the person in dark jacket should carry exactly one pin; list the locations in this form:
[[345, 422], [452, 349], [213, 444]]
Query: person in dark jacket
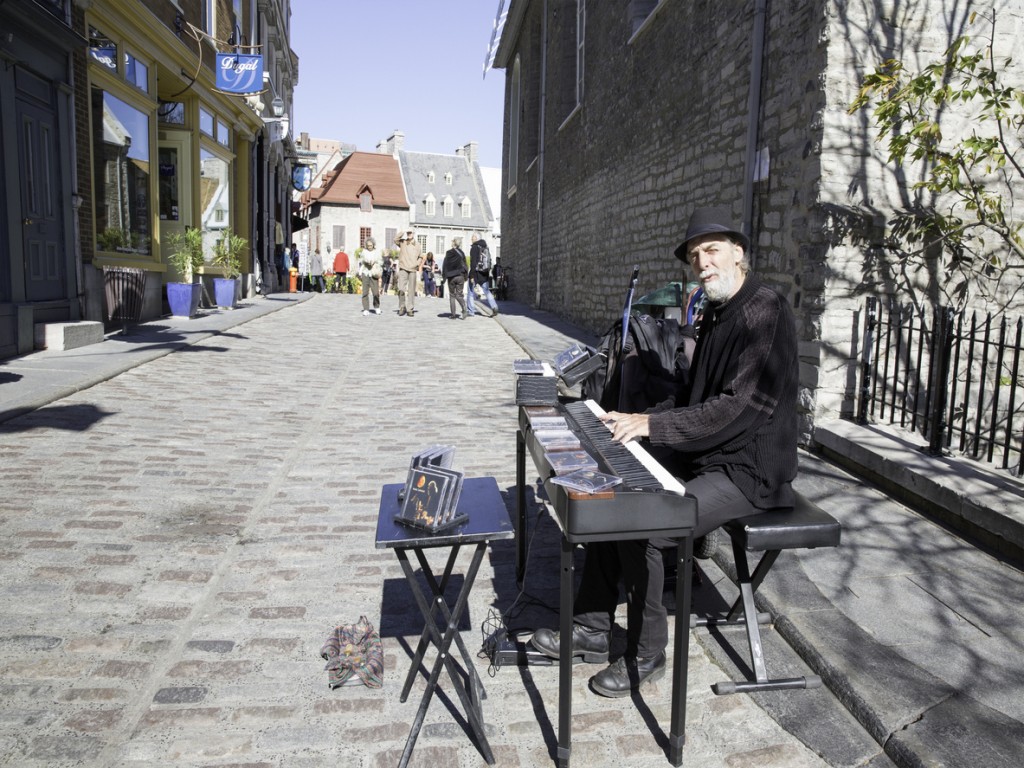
[[733, 428], [480, 265], [453, 272]]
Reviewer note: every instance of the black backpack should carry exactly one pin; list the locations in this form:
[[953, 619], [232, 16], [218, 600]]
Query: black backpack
[[484, 265], [651, 366]]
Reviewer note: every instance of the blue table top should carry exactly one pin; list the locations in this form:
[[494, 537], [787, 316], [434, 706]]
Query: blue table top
[[480, 500]]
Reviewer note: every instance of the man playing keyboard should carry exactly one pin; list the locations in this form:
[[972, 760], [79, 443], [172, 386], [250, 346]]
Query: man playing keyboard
[[734, 431]]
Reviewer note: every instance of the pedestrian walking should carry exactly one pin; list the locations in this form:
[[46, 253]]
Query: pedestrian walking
[[410, 262], [371, 266], [388, 274], [341, 268], [733, 429], [316, 270], [429, 286], [454, 272], [480, 265]]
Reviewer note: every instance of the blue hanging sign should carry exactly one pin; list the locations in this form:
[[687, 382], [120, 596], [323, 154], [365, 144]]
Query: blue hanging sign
[[302, 177], [239, 72]]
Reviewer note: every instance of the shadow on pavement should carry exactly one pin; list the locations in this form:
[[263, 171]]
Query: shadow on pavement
[[6, 377], [75, 418]]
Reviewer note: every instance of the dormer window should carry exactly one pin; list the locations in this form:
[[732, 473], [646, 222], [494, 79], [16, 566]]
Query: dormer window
[[365, 199], [430, 205], [430, 177], [448, 179], [466, 207], [449, 206]]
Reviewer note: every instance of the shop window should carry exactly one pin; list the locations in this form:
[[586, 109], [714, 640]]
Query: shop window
[[102, 50], [121, 162], [214, 197], [136, 73], [206, 123], [171, 113], [223, 134]]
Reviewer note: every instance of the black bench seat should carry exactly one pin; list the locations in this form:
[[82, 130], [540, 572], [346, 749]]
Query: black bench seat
[[805, 526]]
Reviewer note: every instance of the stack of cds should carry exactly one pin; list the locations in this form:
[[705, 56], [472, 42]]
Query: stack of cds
[[431, 494]]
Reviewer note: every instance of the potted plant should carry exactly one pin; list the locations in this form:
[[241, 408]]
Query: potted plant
[[226, 255], [185, 256]]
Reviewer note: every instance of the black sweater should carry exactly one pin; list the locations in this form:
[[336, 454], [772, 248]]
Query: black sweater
[[738, 413]]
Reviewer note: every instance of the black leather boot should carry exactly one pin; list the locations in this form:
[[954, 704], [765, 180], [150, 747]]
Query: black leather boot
[[627, 675], [590, 644]]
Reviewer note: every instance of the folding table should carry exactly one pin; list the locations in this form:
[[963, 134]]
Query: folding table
[[488, 520]]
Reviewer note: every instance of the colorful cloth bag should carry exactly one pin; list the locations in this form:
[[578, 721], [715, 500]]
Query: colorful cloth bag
[[354, 654]]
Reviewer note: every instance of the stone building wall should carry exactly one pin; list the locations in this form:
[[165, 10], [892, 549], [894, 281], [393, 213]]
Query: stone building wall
[[663, 128]]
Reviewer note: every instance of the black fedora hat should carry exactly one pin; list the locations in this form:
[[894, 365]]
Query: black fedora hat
[[710, 221]]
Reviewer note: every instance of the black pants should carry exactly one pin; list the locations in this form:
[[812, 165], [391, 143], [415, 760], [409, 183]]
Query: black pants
[[639, 565]]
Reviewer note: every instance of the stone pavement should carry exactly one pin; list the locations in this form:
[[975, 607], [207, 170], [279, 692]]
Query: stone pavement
[[184, 530]]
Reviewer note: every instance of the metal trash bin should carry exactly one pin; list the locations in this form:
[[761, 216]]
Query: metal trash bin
[[124, 288]]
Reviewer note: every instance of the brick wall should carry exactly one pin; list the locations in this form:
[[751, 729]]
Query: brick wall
[[663, 128]]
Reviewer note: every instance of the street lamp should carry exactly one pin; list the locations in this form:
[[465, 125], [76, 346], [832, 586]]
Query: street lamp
[[279, 119]]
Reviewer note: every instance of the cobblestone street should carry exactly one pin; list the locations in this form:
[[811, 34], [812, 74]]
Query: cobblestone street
[[181, 539]]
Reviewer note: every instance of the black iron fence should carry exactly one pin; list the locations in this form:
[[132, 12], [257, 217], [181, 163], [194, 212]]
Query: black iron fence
[[957, 382]]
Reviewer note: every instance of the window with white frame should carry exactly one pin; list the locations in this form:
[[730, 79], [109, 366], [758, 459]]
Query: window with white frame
[[136, 72], [449, 207], [639, 11], [467, 208], [430, 177], [581, 19], [448, 179], [207, 124], [513, 125], [421, 240], [440, 244], [430, 205]]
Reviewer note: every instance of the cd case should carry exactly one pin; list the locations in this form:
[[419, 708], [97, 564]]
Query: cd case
[[568, 358], [557, 439], [587, 481], [565, 462], [431, 499], [527, 366]]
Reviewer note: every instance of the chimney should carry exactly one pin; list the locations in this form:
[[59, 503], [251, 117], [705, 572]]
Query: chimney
[[396, 141], [471, 151]]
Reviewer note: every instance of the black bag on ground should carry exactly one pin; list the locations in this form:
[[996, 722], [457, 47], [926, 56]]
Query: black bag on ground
[[651, 366]]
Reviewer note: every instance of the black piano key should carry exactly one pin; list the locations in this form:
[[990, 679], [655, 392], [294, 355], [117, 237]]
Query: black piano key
[[598, 439]]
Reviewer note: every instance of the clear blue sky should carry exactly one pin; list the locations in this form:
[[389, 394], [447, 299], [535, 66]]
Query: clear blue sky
[[369, 68]]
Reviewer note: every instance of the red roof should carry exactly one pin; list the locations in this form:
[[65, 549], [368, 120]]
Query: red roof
[[374, 171]]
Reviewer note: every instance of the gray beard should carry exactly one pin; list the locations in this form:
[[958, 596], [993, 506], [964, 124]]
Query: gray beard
[[721, 289]]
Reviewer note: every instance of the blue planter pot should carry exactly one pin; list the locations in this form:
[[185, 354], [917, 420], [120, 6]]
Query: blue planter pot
[[183, 298], [224, 291]]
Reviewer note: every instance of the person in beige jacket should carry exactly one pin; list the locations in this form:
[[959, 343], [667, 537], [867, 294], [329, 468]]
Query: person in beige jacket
[[410, 262]]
